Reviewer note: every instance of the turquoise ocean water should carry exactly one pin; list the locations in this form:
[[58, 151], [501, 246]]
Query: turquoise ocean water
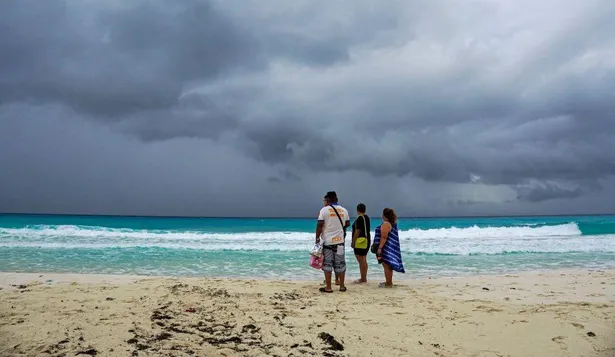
[[279, 248]]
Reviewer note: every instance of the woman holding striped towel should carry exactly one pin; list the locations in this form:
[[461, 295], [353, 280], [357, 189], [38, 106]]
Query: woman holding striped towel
[[388, 251]]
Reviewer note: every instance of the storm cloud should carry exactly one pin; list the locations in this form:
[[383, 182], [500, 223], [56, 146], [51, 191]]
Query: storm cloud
[[245, 108]]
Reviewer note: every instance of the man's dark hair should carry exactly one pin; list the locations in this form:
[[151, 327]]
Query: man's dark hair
[[361, 208], [331, 196]]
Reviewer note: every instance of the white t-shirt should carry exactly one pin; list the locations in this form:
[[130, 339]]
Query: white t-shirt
[[333, 231]]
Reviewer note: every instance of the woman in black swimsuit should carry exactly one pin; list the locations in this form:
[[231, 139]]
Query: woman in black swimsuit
[[361, 229]]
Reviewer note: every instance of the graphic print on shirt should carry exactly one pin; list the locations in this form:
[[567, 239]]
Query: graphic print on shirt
[[333, 231]]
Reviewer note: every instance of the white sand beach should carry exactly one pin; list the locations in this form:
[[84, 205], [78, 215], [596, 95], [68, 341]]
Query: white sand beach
[[556, 313]]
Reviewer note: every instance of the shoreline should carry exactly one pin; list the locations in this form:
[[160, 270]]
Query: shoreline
[[298, 217], [544, 313], [375, 272]]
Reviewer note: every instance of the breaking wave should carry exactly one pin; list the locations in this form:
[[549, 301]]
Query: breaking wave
[[438, 241]]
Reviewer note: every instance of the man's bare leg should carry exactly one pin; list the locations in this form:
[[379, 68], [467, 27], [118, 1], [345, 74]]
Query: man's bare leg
[[342, 277], [328, 281], [337, 280]]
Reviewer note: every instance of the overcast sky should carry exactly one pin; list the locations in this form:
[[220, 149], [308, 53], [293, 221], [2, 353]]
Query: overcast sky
[[258, 108]]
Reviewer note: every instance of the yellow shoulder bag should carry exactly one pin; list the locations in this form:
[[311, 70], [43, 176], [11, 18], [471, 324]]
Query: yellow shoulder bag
[[361, 242]]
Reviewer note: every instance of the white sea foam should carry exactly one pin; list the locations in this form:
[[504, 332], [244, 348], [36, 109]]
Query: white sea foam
[[78, 232], [461, 241], [568, 229]]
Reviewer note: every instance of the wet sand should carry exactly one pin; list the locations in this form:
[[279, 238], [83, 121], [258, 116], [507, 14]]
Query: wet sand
[[557, 313]]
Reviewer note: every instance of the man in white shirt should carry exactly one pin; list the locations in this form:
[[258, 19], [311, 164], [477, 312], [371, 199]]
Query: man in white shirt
[[333, 220]]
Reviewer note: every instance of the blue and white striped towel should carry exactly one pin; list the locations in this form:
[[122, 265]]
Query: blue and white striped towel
[[391, 252]]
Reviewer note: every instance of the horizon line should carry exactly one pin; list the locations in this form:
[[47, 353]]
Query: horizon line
[[298, 217]]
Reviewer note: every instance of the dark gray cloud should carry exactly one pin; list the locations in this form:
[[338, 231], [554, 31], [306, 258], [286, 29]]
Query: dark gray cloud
[[115, 59], [166, 107], [285, 176], [547, 191]]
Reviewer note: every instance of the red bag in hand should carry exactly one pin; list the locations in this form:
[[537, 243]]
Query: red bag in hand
[[316, 262]]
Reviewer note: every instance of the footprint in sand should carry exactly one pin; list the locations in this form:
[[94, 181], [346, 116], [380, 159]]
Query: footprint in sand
[[487, 309], [488, 353], [579, 326], [560, 341]]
